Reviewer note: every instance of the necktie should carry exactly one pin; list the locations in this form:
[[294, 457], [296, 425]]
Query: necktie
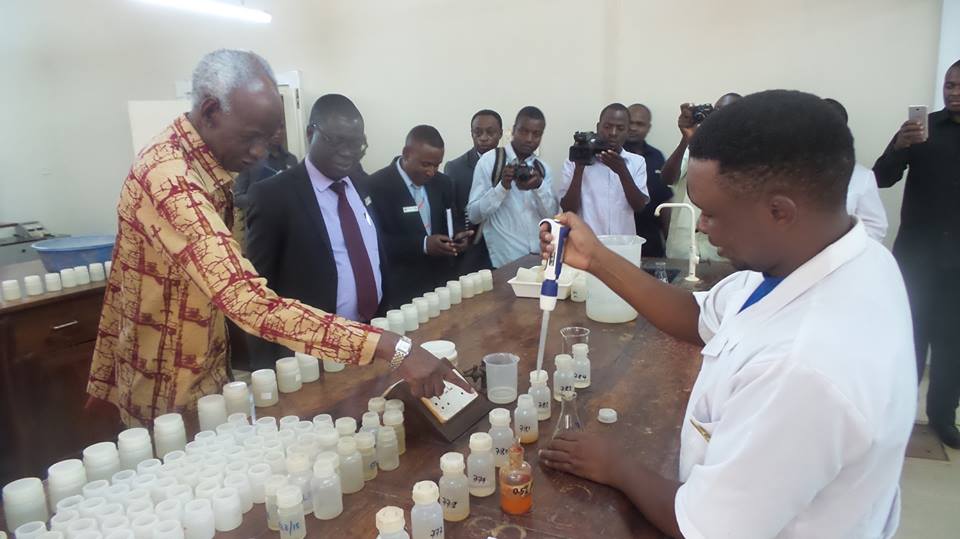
[[419, 197], [366, 284]]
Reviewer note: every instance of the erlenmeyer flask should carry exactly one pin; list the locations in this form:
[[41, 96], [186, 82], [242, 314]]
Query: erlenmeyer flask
[[569, 416]]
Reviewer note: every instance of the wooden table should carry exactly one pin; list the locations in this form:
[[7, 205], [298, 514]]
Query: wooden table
[[46, 344], [642, 373]]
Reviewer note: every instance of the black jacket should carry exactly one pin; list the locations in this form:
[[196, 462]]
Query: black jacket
[[412, 273], [460, 171], [288, 244]]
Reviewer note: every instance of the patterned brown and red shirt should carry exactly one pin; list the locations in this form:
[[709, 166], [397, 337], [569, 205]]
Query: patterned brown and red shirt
[[177, 271]]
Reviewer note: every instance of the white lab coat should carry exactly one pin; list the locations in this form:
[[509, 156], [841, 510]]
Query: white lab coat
[[808, 397], [863, 202]]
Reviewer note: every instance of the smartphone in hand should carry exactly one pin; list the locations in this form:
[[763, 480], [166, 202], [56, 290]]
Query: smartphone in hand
[[918, 113]]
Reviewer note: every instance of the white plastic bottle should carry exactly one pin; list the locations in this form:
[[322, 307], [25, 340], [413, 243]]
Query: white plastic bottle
[[351, 466], [581, 365], [525, 419], [366, 446], [388, 451], [346, 427], [563, 377], [502, 435], [327, 496], [299, 474], [390, 523], [541, 394], [370, 422], [454, 488], [394, 418], [426, 517], [290, 513], [480, 468], [270, 488]]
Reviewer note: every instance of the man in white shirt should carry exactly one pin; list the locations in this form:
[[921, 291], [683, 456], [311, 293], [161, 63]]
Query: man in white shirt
[[797, 424], [512, 191], [606, 189], [674, 173], [863, 195]]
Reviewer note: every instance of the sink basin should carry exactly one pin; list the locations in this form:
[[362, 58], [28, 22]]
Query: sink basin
[[672, 274]]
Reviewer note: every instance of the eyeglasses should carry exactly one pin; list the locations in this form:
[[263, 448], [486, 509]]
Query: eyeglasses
[[356, 144]]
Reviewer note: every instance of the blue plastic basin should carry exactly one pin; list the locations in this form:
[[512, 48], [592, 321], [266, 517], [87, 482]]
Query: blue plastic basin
[[60, 253]]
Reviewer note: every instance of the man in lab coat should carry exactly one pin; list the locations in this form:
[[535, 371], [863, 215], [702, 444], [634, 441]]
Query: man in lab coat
[[799, 418]]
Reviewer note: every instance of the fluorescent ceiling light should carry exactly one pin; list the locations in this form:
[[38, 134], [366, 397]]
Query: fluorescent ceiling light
[[216, 7]]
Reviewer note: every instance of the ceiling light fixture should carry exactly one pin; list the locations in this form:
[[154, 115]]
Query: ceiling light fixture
[[215, 7]]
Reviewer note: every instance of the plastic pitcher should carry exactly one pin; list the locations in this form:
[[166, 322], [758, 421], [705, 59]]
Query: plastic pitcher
[[603, 305]]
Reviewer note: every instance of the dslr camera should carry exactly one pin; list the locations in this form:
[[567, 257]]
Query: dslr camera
[[700, 113], [522, 172], [586, 146]]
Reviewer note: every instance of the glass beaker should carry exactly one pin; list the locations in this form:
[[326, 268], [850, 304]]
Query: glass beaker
[[573, 335], [569, 416], [501, 377]]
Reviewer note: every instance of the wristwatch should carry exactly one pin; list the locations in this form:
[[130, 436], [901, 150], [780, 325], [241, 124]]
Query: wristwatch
[[404, 345]]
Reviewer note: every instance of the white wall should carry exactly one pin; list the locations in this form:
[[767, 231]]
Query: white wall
[[72, 66]]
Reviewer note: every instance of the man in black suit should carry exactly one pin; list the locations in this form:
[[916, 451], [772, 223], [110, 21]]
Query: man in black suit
[[486, 130], [309, 231], [411, 199]]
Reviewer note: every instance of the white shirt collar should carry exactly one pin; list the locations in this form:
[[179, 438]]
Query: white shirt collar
[[406, 177]]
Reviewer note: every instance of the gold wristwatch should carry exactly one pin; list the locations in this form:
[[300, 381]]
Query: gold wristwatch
[[404, 345]]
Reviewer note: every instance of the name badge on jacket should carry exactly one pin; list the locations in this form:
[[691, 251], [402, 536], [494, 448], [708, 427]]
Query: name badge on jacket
[[411, 209]]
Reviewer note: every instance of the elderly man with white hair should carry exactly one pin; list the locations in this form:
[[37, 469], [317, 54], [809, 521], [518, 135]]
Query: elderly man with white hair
[[177, 271]]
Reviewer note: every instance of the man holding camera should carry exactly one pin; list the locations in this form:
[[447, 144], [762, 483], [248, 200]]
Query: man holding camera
[[512, 191], [675, 173], [602, 182]]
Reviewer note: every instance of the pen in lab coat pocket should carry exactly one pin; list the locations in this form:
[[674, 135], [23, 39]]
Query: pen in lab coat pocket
[[703, 432]]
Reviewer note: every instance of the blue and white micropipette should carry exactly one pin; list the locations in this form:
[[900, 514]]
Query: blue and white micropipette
[[551, 276]]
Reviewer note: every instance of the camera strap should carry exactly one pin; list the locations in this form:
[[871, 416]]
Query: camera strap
[[499, 163]]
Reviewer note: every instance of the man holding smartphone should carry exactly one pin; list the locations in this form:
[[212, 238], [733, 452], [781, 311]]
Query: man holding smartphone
[[928, 246]]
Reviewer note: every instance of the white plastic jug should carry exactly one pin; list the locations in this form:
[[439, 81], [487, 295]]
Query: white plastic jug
[[603, 305]]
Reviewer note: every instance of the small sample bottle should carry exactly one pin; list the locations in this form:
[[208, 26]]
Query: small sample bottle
[[502, 435], [289, 378], [563, 377], [388, 450], [390, 523], [426, 517], [377, 404], [370, 422], [394, 418], [454, 488], [346, 426], [525, 419], [290, 513], [480, 468], [351, 466], [541, 394], [300, 474], [327, 496], [581, 365], [516, 484], [366, 446], [270, 488]]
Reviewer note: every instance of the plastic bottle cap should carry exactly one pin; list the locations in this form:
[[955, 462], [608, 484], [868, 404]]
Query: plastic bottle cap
[[377, 404], [500, 417], [392, 418], [370, 419], [288, 364], [539, 377], [525, 401], [330, 457], [347, 446], [564, 362], [390, 520], [323, 468], [386, 435], [289, 496], [273, 484], [394, 404], [365, 440], [580, 349], [297, 463], [425, 492], [607, 415], [346, 426], [452, 463], [481, 441]]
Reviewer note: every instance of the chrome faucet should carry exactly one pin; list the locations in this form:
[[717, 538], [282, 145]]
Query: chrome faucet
[[694, 252]]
